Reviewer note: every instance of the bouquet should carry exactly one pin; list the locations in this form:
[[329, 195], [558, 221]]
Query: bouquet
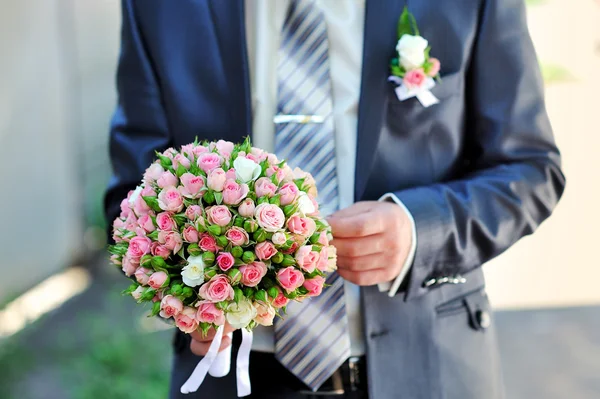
[[218, 232]]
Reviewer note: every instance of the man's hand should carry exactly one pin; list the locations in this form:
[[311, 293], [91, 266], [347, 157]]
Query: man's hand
[[200, 342], [372, 241]]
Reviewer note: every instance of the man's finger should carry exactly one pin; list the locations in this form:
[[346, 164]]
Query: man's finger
[[370, 245], [361, 225], [362, 263]]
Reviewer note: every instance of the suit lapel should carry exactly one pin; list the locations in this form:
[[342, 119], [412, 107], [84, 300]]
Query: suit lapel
[[380, 37], [230, 31]]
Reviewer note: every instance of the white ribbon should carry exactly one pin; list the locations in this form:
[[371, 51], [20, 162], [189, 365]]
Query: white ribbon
[[218, 364], [423, 94]]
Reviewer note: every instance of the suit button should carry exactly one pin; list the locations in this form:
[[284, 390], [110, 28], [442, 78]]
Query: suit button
[[484, 319]]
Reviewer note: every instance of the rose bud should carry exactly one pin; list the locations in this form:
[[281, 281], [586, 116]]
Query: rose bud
[[158, 262], [209, 197], [289, 210], [194, 250], [145, 261], [237, 294], [158, 280], [250, 226], [234, 275], [237, 252], [277, 258], [214, 230], [176, 289], [238, 221], [187, 292], [208, 258], [288, 260], [273, 292], [275, 200], [209, 273], [155, 308], [261, 295], [248, 257], [246, 208], [222, 241], [260, 235], [148, 295]]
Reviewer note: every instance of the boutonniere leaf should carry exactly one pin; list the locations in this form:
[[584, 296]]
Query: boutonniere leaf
[[413, 70]]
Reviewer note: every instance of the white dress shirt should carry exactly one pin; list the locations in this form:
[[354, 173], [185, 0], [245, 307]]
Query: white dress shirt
[[345, 20]]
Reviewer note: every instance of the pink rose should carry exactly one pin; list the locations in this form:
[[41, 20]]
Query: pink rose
[[234, 193], [307, 258], [219, 215], [280, 300], [148, 191], [160, 250], [265, 250], [186, 320], [309, 181], [140, 207], [170, 200], [230, 175], [170, 153], [137, 294], [253, 273], [277, 171], [182, 160], [323, 238], [273, 159], [190, 234], [199, 149], [415, 79], [138, 247], [209, 161], [167, 179], [116, 259], [170, 306], [207, 243], [237, 236], [216, 180], [193, 212], [302, 226], [314, 285], [125, 209], [171, 240], [270, 217], [247, 208], [153, 173], [192, 185], [264, 314], [209, 313], [225, 148], [292, 249], [435, 67], [165, 221], [158, 280], [290, 278], [142, 275], [264, 187], [145, 222], [225, 261], [188, 151], [288, 193], [128, 266], [322, 263], [259, 153], [217, 289], [279, 238]]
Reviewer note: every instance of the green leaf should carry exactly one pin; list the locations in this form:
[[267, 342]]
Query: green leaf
[[219, 198], [152, 202], [397, 71], [404, 23], [180, 170]]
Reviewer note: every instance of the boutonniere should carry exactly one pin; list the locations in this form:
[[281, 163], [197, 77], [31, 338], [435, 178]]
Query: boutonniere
[[413, 70]]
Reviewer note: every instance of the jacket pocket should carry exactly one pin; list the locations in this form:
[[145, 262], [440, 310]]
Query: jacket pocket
[[473, 305]]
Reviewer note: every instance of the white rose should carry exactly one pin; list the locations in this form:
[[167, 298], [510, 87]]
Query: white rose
[[240, 314], [246, 169], [305, 205], [135, 195], [193, 273], [137, 294], [411, 50]]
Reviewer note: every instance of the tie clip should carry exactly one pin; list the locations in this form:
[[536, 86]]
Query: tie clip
[[303, 119]]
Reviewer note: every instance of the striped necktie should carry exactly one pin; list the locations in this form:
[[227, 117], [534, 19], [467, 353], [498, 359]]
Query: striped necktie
[[312, 341]]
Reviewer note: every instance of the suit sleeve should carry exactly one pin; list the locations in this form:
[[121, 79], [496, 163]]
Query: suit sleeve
[[139, 125], [515, 178]]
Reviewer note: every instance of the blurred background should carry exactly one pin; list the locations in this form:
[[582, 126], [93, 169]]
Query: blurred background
[[56, 98]]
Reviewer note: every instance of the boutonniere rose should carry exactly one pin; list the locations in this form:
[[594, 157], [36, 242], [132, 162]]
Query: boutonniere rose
[[413, 70]]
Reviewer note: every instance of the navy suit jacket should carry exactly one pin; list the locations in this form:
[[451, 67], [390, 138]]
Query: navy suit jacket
[[478, 171]]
